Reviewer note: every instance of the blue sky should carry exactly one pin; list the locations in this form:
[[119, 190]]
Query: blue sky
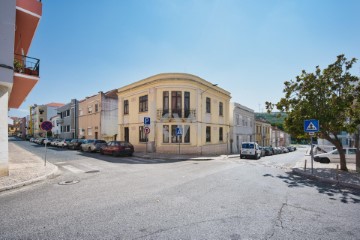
[[247, 47]]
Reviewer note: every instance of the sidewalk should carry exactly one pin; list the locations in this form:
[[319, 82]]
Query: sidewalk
[[185, 157], [328, 173], [25, 168]]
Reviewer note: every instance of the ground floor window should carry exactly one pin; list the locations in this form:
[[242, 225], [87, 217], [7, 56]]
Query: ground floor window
[[142, 135], [208, 134], [221, 134], [166, 134], [186, 134]]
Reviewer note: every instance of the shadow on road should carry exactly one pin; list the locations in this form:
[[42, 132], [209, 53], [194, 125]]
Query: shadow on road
[[347, 195]]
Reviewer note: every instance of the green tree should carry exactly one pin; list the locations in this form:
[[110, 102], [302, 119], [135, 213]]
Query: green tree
[[328, 95]]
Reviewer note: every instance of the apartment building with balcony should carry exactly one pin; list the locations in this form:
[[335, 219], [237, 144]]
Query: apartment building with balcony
[[39, 114], [98, 116], [175, 101], [262, 132], [18, 72], [242, 120], [68, 121]]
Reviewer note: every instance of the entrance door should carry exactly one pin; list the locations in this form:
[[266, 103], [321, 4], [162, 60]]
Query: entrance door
[[126, 134], [96, 135]]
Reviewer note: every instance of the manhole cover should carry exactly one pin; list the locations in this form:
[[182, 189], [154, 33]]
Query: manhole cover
[[93, 171], [68, 182]]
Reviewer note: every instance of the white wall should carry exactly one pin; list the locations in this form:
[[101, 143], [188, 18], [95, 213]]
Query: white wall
[[4, 151]]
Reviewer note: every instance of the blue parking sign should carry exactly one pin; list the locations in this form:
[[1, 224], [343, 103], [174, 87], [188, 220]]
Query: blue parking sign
[[146, 120]]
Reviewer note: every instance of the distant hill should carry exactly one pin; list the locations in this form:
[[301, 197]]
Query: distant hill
[[272, 118]]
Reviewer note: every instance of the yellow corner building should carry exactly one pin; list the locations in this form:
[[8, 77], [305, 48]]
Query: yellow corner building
[[188, 115]]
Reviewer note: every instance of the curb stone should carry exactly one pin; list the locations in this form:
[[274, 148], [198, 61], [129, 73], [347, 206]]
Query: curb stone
[[327, 180], [31, 181]]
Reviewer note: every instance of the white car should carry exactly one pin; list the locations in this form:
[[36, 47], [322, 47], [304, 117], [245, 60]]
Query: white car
[[334, 156], [250, 150]]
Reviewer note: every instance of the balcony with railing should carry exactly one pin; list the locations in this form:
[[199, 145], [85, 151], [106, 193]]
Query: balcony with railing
[[26, 65], [176, 113]]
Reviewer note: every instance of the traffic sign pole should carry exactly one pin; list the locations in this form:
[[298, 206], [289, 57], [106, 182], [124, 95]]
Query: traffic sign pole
[[46, 146], [312, 156]]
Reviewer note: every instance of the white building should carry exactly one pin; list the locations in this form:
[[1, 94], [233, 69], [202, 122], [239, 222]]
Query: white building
[[242, 128]]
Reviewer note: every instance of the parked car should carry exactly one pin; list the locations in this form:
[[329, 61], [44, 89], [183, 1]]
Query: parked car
[[268, 151], [75, 144], [117, 148], [48, 141], [262, 149], [250, 150], [64, 142], [92, 145], [334, 156], [54, 142]]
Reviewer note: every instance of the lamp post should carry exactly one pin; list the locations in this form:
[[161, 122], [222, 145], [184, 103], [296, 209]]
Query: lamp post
[[201, 113]]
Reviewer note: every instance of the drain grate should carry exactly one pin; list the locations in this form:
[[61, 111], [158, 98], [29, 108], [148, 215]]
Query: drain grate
[[93, 171], [68, 182]]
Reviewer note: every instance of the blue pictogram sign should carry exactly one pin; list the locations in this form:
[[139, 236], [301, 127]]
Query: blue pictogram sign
[[311, 125], [178, 131], [146, 120], [46, 125]]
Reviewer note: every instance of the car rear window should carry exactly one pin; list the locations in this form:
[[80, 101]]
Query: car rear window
[[247, 145]]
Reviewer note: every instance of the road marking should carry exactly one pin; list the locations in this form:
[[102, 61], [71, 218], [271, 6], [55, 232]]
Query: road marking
[[73, 169], [60, 162]]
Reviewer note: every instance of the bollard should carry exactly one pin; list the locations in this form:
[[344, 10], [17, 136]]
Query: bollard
[[305, 165], [337, 172]]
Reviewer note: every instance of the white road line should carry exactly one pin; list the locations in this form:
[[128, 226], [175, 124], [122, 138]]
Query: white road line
[[72, 169], [90, 166], [60, 162]]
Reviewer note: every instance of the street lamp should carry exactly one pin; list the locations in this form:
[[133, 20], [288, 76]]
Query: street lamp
[[201, 112]]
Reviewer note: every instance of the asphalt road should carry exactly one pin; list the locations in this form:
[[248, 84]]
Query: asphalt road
[[131, 198]]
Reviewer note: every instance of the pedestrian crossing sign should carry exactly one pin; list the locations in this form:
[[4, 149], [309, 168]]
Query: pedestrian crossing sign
[[178, 131], [311, 126]]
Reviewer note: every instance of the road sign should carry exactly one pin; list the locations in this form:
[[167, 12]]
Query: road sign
[[311, 125], [178, 131], [46, 126], [146, 130], [146, 121]]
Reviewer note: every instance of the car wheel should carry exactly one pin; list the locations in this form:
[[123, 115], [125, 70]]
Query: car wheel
[[89, 149], [114, 154], [81, 149], [130, 154], [101, 152]]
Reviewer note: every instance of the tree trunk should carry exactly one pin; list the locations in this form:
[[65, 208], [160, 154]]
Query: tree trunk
[[357, 135], [339, 147], [343, 166]]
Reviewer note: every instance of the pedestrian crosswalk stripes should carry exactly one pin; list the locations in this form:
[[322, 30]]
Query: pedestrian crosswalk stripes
[[72, 169], [82, 167]]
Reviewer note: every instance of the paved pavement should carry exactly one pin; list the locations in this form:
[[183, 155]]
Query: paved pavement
[[26, 168]]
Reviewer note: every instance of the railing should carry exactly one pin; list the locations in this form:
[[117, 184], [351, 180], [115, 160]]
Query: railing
[[26, 65], [176, 113]]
